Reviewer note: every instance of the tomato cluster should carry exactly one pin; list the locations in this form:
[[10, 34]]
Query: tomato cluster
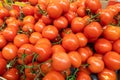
[[59, 40]]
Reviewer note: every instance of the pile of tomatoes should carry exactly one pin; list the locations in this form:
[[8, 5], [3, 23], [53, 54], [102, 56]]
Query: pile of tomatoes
[[59, 40]]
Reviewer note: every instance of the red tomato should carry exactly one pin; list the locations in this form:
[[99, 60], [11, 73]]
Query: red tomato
[[75, 58], [3, 41], [20, 39], [11, 74], [3, 12], [14, 13], [61, 61], [28, 27], [83, 76], [1, 22], [116, 46], [3, 64], [112, 60], [28, 19], [33, 2], [53, 75], [96, 65], [73, 6], [98, 55], [114, 9], [44, 52], [9, 52], [81, 11], [57, 48], [107, 74], [10, 19], [102, 46], [28, 10], [46, 19], [50, 32], [66, 31], [70, 42]]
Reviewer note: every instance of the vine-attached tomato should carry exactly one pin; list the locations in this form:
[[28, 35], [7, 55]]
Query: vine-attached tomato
[[28, 19], [46, 19], [83, 76], [75, 59], [3, 12], [70, 42], [61, 61], [81, 11], [65, 32], [3, 64], [116, 46], [9, 52], [53, 75], [102, 46], [33, 2], [57, 48], [3, 41], [14, 13], [28, 27], [96, 65], [114, 9], [28, 10], [1, 22], [112, 60], [107, 74], [73, 6]]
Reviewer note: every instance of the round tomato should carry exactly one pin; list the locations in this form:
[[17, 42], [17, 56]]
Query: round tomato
[[28, 19], [3, 41], [83, 76], [116, 46], [57, 48], [3, 64], [28, 10]]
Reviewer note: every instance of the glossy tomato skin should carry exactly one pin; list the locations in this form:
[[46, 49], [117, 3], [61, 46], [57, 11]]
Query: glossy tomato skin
[[107, 74], [14, 13], [44, 52], [3, 41], [102, 46], [28, 10], [11, 74], [28, 27], [116, 46], [53, 75], [9, 52], [70, 39], [83, 76], [57, 48], [28, 19], [3, 12], [112, 60], [61, 61], [3, 64], [96, 65], [81, 11]]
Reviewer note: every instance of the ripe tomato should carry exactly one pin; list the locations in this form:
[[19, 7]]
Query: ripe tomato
[[102, 46], [11, 74], [50, 32], [57, 48], [3, 41], [82, 39], [34, 37], [112, 60], [44, 52], [98, 55], [1, 22], [28, 10], [75, 59], [112, 33], [65, 32], [27, 50], [3, 12], [83, 76], [81, 11], [10, 19], [107, 74], [14, 13], [53, 9], [28, 27], [60, 23], [20, 39], [53, 75], [46, 19], [61, 61], [70, 42], [96, 65], [33, 2], [114, 9], [93, 30], [93, 5], [84, 69], [3, 64], [28, 19], [9, 52], [73, 6], [116, 46], [77, 24]]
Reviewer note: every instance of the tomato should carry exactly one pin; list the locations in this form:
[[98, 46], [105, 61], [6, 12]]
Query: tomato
[[39, 26], [114, 9], [81, 3], [98, 55], [44, 52], [3, 41], [61, 61], [93, 30], [53, 10], [107, 74], [82, 39], [9, 33], [57, 48], [46, 19], [73, 7], [83, 76], [34, 37], [112, 60], [60, 23], [1, 22], [28, 27], [11, 74], [65, 32], [75, 58], [93, 5], [3, 12], [20, 39], [28, 19], [102, 46], [70, 42], [77, 24], [27, 50], [84, 69], [96, 65], [50, 32], [81, 11], [9, 52], [85, 53], [112, 33], [33, 2], [10, 19], [3, 64], [53, 75], [45, 2], [44, 41], [28, 10], [14, 13], [116, 46]]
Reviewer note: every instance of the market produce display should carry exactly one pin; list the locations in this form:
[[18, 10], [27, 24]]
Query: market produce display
[[59, 40]]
